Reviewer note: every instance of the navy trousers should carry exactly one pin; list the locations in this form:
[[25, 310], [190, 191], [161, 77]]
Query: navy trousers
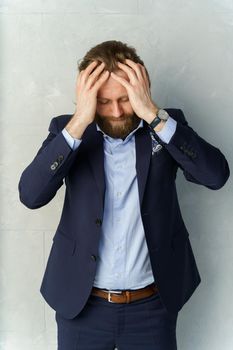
[[143, 324]]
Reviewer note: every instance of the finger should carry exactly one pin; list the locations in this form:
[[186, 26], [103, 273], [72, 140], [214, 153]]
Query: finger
[[89, 69], [103, 77], [124, 82], [144, 75], [135, 67], [94, 75], [129, 71], [78, 78]]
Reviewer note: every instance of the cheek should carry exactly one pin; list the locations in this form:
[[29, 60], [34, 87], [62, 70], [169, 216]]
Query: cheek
[[128, 107], [101, 109]]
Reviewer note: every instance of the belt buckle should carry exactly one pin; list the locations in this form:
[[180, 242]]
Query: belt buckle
[[111, 292], [109, 297]]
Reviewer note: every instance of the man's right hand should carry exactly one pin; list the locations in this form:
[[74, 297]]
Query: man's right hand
[[88, 84]]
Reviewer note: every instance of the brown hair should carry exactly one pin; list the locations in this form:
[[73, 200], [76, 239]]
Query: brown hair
[[110, 52]]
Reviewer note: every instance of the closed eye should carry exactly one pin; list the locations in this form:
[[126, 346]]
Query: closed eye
[[105, 102]]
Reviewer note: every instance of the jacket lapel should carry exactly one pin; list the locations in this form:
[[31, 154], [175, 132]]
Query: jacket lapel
[[143, 155], [93, 143]]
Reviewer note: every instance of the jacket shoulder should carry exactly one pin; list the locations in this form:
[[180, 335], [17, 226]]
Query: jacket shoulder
[[177, 114]]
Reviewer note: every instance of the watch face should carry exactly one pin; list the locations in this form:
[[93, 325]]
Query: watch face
[[162, 114]]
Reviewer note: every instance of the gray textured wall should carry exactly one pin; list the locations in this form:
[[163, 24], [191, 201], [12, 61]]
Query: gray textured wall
[[187, 48]]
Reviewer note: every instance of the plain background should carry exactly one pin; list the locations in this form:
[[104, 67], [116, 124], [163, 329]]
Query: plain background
[[187, 48]]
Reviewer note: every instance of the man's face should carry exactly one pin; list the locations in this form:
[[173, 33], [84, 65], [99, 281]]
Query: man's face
[[114, 113]]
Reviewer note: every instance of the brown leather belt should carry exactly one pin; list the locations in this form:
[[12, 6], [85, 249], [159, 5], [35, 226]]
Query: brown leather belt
[[125, 296]]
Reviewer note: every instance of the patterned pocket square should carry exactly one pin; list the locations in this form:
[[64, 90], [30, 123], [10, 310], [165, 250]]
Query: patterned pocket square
[[156, 147]]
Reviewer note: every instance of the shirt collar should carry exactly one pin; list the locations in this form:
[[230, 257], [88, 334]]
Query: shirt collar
[[140, 125]]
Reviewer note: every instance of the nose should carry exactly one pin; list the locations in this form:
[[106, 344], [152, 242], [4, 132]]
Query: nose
[[116, 110]]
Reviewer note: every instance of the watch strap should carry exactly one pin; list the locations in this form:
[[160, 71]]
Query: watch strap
[[155, 122]]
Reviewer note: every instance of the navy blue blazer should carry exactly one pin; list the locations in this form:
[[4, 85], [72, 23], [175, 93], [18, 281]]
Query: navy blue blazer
[[71, 266]]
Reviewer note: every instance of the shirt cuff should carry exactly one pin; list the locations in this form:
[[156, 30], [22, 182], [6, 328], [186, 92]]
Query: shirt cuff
[[168, 130], [72, 142]]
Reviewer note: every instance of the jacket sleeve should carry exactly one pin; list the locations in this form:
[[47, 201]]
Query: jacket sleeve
[[201, 162], [41, 179]]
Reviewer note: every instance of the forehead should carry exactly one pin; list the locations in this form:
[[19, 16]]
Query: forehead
[[113, 89]]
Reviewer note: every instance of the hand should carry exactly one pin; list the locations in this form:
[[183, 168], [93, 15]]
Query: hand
[[88, 83], [138, 89]]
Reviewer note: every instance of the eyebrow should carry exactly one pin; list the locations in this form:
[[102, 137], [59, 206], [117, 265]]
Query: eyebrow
[[104, 98]]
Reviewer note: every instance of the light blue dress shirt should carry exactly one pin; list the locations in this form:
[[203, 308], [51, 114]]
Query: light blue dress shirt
[[123, 260]]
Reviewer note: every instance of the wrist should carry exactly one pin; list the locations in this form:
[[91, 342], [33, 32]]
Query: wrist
[[160, 126], [157, 120], [76, 127], [152, 114]]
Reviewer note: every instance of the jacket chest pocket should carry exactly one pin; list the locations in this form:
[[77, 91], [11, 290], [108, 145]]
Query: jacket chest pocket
[[160, 158]]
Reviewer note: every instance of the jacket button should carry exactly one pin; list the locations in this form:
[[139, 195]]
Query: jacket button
[[93, 257], [98, 222], [60, 158]]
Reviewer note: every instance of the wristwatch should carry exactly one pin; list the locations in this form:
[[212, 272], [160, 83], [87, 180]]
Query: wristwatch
[[160, 115]]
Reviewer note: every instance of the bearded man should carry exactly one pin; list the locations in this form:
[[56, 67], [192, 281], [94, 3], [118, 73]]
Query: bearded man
[[121, 264]]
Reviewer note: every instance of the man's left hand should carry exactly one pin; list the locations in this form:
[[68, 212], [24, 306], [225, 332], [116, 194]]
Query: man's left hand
[[138, 89]]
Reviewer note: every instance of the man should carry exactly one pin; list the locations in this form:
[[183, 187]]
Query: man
[[121, 265]]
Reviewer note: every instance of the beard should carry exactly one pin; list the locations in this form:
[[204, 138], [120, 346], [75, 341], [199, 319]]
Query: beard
[[119, 127]]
